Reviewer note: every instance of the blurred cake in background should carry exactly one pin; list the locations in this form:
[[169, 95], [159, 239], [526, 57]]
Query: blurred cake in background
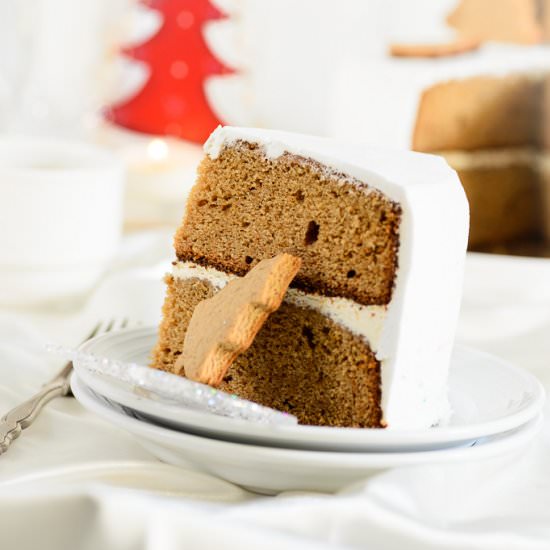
[[463, 78], [483, 110]]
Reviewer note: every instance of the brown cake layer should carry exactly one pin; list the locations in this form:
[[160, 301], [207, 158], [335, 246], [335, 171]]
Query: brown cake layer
[[481, 112], [300, 362], [545, 110], [245, 207], [505, 192], [544, 180]]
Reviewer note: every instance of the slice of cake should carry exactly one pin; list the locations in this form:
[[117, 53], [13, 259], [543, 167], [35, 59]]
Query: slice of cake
[[364, 334]]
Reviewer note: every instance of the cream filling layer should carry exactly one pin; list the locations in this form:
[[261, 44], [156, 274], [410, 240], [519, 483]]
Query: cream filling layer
[[364, 321], [490, 158]]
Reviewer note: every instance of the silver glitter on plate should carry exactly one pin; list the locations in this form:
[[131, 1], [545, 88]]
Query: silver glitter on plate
[[174, 390]]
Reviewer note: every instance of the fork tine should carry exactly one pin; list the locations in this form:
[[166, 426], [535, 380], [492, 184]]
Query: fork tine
[[109, 325], [117, 324], [95, 331]]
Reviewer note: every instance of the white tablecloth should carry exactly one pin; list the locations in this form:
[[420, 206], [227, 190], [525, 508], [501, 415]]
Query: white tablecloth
[[73, 481]]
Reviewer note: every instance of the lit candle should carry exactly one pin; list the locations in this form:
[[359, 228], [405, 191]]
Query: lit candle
[[157, 150], [161, 172]]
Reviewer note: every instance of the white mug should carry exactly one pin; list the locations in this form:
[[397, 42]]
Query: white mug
[[60, 218]]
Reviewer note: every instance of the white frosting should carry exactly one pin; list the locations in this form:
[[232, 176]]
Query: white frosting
[[418, 329], [365, 321], [342, 70]]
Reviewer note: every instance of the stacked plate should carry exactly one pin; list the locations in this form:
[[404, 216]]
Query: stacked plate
[[496, 411]]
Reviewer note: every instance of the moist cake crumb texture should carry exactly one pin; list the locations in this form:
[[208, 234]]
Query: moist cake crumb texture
[[245, 208], [301, 362]]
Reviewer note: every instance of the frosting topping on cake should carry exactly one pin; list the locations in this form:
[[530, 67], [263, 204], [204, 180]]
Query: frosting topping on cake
[[376, 167]]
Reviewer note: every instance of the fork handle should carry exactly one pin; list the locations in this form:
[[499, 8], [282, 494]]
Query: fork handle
[[23, 415]]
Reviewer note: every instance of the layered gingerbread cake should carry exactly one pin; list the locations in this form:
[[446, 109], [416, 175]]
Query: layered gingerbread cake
[[364, 334]]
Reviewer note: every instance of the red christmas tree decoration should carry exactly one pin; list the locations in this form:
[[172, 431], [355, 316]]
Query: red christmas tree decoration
[[173, 101]]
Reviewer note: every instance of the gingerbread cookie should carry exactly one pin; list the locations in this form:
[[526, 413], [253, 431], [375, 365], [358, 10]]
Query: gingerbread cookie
[[224, 326], [519, 21], [458, 46]]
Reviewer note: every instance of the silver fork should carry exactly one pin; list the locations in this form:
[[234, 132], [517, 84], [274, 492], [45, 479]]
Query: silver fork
[[23, 415]]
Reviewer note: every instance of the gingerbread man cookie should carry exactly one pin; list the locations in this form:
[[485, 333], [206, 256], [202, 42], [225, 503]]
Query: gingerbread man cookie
[[459, 46], [224, 326]]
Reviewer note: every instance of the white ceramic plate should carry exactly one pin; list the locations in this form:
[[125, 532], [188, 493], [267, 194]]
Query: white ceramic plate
[[488, 397], [271, 470]]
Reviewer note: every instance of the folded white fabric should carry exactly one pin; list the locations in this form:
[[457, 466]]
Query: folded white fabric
[[73, 481]]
